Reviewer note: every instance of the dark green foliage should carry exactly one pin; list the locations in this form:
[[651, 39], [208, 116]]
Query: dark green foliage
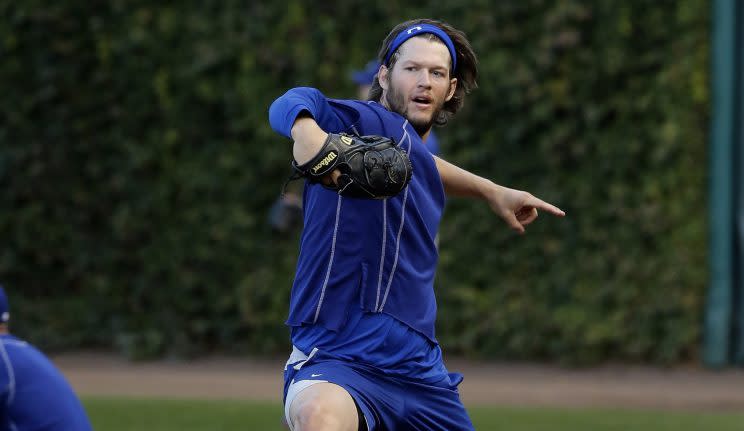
[[137, 168]]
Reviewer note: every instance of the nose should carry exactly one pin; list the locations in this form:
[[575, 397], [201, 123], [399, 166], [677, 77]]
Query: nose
[[424, 79]]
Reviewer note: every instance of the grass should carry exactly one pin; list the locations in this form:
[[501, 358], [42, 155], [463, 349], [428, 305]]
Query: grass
[[542, 419], [127, 414]]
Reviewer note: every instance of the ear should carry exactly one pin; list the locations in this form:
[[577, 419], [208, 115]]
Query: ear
[[382, 77], [453, 87]]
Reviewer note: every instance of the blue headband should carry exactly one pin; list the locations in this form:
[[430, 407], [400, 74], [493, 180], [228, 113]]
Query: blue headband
[[419, 29]]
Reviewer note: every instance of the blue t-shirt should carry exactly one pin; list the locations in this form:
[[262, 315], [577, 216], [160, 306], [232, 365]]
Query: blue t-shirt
[[33, 393], [365, 255]]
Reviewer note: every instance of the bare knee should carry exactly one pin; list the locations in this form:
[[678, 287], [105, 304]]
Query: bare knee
[[324, 407], [316, 415]]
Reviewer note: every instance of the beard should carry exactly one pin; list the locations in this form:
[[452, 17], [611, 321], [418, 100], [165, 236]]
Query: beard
[[398, 102]]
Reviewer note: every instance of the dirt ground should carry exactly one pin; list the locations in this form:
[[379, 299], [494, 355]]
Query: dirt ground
[[485, 384]]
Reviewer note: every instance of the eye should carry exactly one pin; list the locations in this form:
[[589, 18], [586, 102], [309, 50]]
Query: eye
[[440, 73], [410, 68]]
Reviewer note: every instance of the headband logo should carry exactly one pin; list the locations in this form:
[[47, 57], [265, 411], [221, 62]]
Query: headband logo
[[410, 30]]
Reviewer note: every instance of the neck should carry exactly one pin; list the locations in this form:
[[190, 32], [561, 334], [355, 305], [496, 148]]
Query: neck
[[4, 329]]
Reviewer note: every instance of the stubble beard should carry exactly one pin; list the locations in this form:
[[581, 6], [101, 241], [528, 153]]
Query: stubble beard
[[397, 102]]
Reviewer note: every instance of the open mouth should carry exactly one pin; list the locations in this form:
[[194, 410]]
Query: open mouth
[[422, 102]]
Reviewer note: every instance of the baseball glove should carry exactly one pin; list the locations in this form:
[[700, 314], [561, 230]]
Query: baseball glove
[[371, 167]]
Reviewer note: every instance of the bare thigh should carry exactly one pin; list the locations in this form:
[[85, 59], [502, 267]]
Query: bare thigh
[[324, 406]]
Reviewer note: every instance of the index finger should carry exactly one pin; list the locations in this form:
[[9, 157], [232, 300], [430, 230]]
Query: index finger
[[541, 204]]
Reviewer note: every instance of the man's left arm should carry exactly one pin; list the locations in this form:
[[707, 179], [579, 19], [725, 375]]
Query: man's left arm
[[517, 208]]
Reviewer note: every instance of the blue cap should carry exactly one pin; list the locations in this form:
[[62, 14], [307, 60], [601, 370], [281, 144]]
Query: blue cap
[[366, 76], [4, 309]]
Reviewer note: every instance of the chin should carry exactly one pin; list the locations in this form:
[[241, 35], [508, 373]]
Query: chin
[[419, 117], [421, 126]]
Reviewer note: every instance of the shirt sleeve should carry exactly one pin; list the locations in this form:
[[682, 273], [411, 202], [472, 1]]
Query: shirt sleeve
[[284, 111]]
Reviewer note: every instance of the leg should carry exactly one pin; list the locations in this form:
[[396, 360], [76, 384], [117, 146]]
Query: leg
[[323, 406]]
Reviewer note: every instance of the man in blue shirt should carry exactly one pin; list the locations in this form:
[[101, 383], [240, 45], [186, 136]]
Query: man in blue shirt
[[286, 212], [34, 396], [362, 307]]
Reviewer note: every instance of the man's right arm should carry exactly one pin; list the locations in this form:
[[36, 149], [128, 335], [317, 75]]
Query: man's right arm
[[308, 138], [302, 114]]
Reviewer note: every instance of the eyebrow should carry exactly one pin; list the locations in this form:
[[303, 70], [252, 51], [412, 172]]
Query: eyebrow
[[416, 63]]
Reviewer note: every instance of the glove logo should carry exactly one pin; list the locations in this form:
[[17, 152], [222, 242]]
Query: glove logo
[[346, 140], [325, 162]]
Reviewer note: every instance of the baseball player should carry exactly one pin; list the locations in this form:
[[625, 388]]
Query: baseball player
[[362, 307], [34, 396]]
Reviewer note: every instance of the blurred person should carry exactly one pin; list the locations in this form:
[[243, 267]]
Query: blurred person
[[35, 396], [364, 78], [362, 307], [285, 214]]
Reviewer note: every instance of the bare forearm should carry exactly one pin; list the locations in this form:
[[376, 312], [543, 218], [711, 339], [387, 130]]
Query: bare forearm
[[308, 139], [516, 207], [459, 182]]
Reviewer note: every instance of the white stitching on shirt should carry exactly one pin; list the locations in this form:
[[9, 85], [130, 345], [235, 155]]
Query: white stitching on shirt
[[402, 223], [397, 250], [382, 255], [330, 260]]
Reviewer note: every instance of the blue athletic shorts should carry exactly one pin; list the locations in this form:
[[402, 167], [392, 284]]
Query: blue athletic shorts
[[387, 402]]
